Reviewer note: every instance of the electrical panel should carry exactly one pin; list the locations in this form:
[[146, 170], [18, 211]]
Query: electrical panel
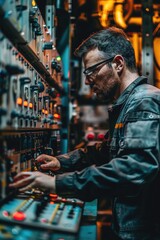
[[30, 89]]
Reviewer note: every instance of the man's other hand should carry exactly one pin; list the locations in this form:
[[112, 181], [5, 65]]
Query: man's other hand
[[26, 181], [48, 162]]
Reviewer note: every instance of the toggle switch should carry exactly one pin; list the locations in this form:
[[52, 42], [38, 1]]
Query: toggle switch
[[14, 69], [25, 80]]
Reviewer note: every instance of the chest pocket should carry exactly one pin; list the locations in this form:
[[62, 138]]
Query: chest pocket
[[140, 130]]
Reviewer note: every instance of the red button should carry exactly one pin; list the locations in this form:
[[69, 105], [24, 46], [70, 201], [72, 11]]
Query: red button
[[19, 216], [100, 136], [6, 213], [90, 136]]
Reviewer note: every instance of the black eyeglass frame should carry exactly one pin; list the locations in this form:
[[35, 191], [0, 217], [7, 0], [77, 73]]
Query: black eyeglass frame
[[90, 70]]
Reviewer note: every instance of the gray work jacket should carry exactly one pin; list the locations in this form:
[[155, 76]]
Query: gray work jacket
[[125, 166]]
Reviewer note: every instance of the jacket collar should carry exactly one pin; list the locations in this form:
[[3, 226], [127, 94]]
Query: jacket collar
[[124, 96]]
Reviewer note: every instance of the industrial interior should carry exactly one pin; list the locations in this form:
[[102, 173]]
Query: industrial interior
[[45, 106]]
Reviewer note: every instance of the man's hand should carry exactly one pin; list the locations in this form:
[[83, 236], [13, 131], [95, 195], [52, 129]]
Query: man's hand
[[48, 162], [27, 180]]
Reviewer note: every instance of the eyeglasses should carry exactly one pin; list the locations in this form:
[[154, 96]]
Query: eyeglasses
[[90, 70]]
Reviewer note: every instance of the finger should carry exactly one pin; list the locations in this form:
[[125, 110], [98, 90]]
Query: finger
[[22, 175], [27, 188], [42, 158], [22, 182], [48, 165]]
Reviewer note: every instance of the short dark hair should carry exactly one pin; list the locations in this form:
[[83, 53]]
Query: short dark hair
[[111, 41]]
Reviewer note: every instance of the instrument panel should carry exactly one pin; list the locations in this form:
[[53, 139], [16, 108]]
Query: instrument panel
[[45, 211]]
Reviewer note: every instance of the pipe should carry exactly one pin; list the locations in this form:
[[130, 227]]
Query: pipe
[[136, 46], [107, 8], [135, 21], [138, 20], [118, 14], [130, 10]]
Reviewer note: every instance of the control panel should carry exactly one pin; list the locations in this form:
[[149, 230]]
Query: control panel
[[30, 118], [19, 149], [27, 100], [30, 89], [45, 211]]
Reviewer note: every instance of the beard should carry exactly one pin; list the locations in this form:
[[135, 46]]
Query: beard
[[108, 92]]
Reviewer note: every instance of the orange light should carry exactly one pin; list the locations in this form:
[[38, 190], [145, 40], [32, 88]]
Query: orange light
[[30, 105], [25, 103], [19, 101], [56, 115], [51, 202], [43, 110], [53, 195], [33, 3], [46, 112]]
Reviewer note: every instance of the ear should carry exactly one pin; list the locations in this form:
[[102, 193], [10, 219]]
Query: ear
[[119, 63]]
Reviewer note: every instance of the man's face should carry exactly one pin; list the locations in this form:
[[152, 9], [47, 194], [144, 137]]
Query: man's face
[[102, 78]]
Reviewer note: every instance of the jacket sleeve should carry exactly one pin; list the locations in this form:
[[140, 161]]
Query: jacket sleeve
[[81, 158], [136, 164]]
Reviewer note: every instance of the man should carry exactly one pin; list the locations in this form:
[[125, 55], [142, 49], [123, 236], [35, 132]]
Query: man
[[126, 165]]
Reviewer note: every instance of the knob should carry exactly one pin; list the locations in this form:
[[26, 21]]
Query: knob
[[40, 87], [55, 66], [14, 69], [32, 16], [50, 116], [45, 120], [52, 122], [32, 117], [52, 93], [14, 114], [35, 23], [38, 31]]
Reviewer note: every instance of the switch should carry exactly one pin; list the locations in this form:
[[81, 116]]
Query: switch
[[47, 46], [14, 69], [55, 66], [25, 80]]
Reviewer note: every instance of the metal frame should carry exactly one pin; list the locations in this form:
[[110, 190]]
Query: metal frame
[[147, 40]]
